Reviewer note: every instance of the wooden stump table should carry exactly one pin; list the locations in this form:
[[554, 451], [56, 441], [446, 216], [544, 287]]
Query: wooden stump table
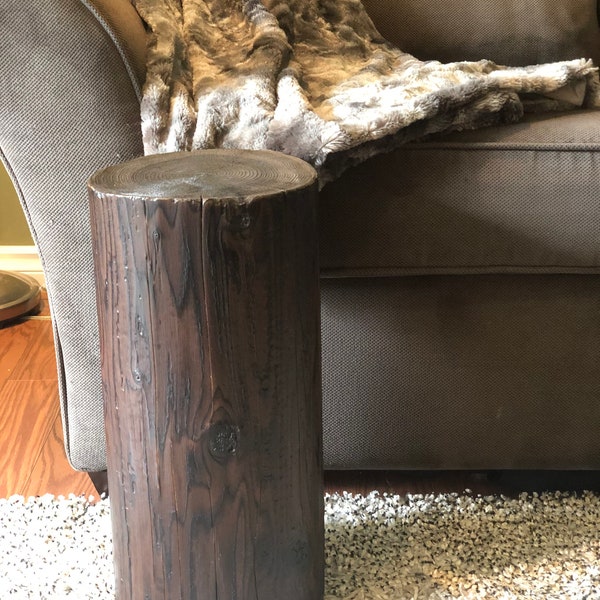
[[208, 302]]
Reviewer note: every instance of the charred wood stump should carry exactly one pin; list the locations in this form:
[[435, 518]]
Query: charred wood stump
[[208, 303]]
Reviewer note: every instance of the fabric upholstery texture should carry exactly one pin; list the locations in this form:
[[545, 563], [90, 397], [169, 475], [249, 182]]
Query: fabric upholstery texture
[[59, 122], [508, 32], [462, 372], [124, 26], [519, 198], [471, 370]]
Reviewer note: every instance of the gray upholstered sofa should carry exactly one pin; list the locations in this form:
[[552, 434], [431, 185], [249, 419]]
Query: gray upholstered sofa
[[460, 276]]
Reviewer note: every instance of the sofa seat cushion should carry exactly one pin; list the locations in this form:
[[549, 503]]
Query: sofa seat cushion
[[509, 32], [521, 198]]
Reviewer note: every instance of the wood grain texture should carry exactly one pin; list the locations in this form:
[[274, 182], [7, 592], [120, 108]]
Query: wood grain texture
[[37, 362], [51, 473], [15, 340], [33, 465], [25, 427], [207, 275]]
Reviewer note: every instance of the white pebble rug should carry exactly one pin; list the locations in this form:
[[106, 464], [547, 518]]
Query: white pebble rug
[[378, 547]]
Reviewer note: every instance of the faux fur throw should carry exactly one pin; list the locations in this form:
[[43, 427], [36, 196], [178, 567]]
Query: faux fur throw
[[314, 78]]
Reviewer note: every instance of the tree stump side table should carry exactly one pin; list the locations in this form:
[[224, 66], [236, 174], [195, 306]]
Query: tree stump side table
[[208, 300]]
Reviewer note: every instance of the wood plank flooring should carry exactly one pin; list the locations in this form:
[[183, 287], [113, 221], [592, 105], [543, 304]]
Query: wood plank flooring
[[33, 461], [32, 458]]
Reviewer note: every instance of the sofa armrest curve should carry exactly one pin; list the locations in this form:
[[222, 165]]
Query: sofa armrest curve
[[68, 106], [124, 25]]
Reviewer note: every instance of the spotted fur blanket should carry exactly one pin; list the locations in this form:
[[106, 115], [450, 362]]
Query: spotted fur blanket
[[315, 79]]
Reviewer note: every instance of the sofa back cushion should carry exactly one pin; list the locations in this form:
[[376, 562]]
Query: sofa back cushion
[[509, 32]]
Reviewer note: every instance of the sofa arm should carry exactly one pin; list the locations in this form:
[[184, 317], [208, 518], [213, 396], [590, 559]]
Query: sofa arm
[[126, 28], [69, 104]]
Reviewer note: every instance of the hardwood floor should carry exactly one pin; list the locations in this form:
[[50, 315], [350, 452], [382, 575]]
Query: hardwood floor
[[33, 461], [32, 458]]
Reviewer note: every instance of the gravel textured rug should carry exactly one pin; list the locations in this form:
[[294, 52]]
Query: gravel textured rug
[[377, 547]]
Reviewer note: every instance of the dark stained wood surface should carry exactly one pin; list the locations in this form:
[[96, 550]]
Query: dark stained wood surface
[[209, 309]]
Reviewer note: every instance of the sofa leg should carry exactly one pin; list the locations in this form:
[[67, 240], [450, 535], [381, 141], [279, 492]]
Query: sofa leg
[[209, 317], [100, 481]]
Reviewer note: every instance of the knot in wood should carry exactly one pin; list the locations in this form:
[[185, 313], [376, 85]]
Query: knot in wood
[[223, 439], [239, 220]]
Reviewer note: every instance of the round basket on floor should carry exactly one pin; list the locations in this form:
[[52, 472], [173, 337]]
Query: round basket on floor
[[19, 294]]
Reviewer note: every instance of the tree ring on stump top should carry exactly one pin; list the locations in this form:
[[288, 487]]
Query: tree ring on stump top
[[206, 174]]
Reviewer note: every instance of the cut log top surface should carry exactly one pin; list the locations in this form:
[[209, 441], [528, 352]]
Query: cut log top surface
[[205, 174]]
